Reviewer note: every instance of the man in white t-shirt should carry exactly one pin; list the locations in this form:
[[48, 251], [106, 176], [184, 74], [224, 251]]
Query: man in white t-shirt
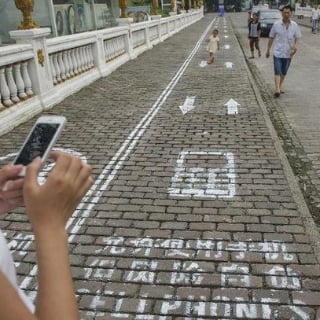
[[284, 34], [314, 18], [48, 208]]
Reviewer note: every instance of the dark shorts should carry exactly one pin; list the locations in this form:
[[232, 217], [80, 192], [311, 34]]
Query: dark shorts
[[281, 65]]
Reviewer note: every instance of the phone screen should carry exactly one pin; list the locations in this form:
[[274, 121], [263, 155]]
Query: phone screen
[[37, 143]]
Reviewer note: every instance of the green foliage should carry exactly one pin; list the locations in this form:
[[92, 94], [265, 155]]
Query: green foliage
[[141, 2], [164, 13]]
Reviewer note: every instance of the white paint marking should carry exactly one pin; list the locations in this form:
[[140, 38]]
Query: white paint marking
[[300, 312], [188, 105], [232, 106], [203, 181], [229, 65], [203, 63], [227, 46], [225, 36]]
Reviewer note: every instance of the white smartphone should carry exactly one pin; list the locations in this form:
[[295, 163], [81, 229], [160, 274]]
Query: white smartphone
[[40, 140]]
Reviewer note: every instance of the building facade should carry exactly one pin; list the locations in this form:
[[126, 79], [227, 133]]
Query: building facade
[[63, 17]]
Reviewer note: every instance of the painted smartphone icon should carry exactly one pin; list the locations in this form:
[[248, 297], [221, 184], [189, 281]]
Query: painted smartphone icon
[[40, 140]]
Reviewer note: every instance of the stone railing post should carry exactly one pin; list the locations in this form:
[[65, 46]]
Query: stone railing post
[[39, 67], [98, 54]]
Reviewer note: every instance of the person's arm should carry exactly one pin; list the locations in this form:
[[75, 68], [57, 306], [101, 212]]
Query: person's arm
[[270, 42], [11, 305], [48, 207], [259, 30], [10, 188], [294, 48]]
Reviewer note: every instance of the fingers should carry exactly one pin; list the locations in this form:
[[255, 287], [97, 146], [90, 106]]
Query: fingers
[[71, 173], [77, 173], [9, 172], [13, 185], [32, 171], [62, 160], [84, 179], [13, 199]]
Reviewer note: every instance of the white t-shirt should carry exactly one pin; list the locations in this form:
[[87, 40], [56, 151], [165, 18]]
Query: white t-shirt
[[8, 268], [315, 14]]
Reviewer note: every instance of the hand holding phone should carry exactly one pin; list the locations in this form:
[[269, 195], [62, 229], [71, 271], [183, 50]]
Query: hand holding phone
[[40, 140]]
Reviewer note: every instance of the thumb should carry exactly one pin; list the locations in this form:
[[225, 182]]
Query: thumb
[[32, 171]]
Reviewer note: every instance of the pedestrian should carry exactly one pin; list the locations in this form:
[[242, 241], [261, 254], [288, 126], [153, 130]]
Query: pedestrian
[[254, 34], [48, 207], [314, 18], [213, 45], [284, 34]]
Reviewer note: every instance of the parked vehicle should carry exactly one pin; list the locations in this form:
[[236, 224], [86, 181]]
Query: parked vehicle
[[267, 18], [233, 7], [256, 9]]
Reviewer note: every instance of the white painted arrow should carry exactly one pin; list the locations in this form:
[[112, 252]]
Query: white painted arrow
[[232, 106], [203, 63], [188, 105], [229, 65]]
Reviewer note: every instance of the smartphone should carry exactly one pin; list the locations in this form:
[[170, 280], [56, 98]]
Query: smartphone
[[40, 140]]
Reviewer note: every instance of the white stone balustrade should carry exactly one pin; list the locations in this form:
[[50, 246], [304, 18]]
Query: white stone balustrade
[[37, 73], [14, 77]]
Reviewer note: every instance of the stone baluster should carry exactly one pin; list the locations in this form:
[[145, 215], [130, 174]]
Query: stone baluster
[[87, 50], [69, 55], [11, 85], [39, 77], [53, 69], [106, 53], [82, 65], [113, 49], [4, 89], [84, 58], [91, 56], [62, 67], [77, 59], [19, 81], [66, 63], [56, 67], [74, 62], [26, 78]]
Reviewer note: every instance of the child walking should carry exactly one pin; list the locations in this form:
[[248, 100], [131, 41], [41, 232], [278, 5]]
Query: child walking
[[213, 45], [254, 35]]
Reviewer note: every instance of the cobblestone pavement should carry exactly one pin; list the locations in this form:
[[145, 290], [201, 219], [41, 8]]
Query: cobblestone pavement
[[195, 212], [296, 115]]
